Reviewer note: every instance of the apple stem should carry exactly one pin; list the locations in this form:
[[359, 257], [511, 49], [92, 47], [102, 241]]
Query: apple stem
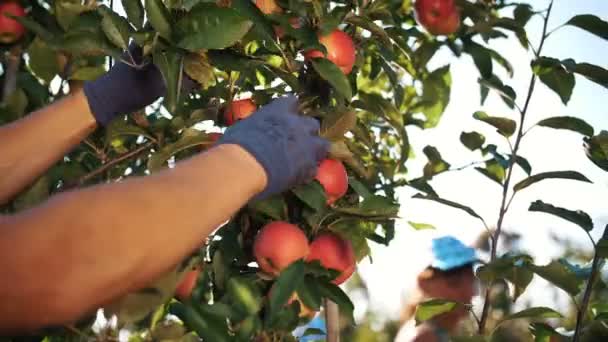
[[13, 62], [332, 318]]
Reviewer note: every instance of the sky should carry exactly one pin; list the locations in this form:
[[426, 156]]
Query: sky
[[394, 268]]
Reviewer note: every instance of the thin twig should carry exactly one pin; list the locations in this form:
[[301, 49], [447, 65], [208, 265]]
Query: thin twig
[[582, 311], [108, 165], [12, 70], [506, 185]]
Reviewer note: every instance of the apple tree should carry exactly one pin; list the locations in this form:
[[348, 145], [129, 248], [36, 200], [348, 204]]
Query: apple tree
[[362, 69]]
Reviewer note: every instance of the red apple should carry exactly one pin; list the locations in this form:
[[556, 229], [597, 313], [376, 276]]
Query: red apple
[[277, 245], [239, 110], [187, 284], [340, 50], [334, 179], [10, 29], [268, 6], [439, 17], [333, 252]]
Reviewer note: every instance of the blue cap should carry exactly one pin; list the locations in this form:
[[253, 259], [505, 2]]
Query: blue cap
[[449, 253], [317, 323]]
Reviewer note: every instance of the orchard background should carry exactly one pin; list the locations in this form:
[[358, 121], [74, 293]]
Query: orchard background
[[427, 126]]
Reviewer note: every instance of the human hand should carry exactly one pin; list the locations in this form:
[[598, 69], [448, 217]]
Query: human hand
[[286, 144]]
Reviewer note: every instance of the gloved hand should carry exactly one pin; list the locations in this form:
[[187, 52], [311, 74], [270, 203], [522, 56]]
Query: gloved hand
[[125, 89], [286, 144]]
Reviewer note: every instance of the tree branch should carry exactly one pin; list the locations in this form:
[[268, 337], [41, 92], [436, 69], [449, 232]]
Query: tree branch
[[110, 164], [582, 310], [332, 319], [12, 70], [504, 206]]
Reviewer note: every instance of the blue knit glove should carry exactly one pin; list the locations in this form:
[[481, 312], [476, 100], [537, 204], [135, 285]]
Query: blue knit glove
[[286, 144], [125, 89]]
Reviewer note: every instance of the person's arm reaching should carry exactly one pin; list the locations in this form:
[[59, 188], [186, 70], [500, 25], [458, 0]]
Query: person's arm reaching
[[33, 144], [83, 248]]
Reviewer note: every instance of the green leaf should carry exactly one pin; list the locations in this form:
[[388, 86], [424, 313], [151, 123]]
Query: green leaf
[[159, 17], [433, 308], [543, 332], [505, 126], [421, 226], [481, 57], [578, 217], [534, 313], [523, 163], [511, 268], [116, 28], [43, 60], [449, 203], [550, 175], [34, 195], [472, 140], [555, 76], [591, 72], [273, 207], [336, 295], [373, 206], [569, 123], [208, 26], [506, 93], [285, 285], [207, 326], [309, 293], [119, 127], [135, 12], [559, 275], [522, 14], [602, 247], [332, 74], [260, 22], [493, 170], [591, 24], [87, 73], [436, 164], [171, 66], [337, 124], [312, 194], [368, 24], [245, 295], [85, 44], [436, 95], [190, 138], [32, 25], [596, 149]]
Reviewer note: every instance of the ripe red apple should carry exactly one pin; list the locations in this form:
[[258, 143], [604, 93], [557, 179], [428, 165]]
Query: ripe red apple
[[334, 179], [187, 284], [340, 50], [438, 16], [277, 245], [10, 29], [268, 6], [333, 252], [239, 110]]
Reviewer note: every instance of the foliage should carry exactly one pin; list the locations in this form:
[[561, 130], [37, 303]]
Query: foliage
[[233, 51]]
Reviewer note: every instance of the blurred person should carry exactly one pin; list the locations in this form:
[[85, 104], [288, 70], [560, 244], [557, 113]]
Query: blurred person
[[448, 276]]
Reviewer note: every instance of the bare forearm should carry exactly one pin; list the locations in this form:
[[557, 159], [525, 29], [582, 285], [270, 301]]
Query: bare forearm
[[31, 145], [116, 238]]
